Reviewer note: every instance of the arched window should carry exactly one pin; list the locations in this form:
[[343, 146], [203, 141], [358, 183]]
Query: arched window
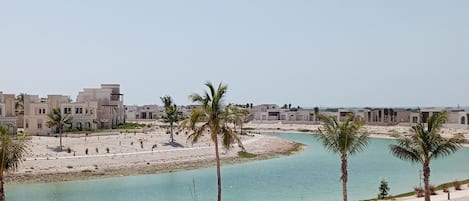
[[79, 126], [463, 120]]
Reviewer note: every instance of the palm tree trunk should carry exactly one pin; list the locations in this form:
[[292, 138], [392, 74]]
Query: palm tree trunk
[[60, 137], [426, 180], [344, 177], [2, 193], [217, 157], [171, 127]]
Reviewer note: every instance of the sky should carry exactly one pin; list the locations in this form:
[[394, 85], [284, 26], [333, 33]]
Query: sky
[[330, 53]]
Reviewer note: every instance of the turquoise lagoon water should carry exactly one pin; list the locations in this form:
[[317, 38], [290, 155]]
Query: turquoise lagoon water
[[311, 175]]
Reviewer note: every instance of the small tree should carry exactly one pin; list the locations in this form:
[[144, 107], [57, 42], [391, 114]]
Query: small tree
[[58, 121], [171, 114], [383, 189]]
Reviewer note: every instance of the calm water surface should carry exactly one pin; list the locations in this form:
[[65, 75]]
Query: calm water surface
[[312, 175]]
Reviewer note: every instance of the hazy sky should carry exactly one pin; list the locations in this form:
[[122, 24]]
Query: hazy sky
[[308, 53]]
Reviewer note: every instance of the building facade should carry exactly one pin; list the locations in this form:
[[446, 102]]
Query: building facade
[[97, 108], [7, 112]]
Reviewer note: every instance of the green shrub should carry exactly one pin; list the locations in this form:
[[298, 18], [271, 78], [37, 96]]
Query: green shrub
[[383, 189]]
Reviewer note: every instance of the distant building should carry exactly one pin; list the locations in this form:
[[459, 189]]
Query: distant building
[[7, 112], [100, 108], [271, 113], [145, 112], [387, 116], [153, 112], [457, 117]]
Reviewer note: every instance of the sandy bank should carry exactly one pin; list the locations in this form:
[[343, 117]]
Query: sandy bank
[[132, 154]]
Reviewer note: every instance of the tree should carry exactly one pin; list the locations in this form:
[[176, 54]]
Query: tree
[[171, 114], [426, 144], [383, 189], [12, 151], [19, 104], [236, 116], [316, 112], [59, 121], [343, 139], [212, 118]]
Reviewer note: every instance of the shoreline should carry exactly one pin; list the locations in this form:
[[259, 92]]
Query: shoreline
[[49, 166], [152, 167]]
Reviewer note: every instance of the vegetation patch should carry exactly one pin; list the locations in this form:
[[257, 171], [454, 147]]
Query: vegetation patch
[[305, 130], [244, 154], [129, 125]]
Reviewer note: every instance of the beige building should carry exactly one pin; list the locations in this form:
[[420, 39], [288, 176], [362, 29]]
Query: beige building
[[7, 112], [457, 117], [110, 111], [387, 116], [100, 108], [271, 113]]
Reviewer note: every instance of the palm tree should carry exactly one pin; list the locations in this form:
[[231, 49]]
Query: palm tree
[[58, 121], [212, 118], [236, 116], [171, 113], [12, 152], [343, 138], [426, 144]]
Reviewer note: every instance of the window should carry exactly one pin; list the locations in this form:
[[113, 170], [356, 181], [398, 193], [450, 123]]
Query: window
[[42, 111], [414, 120], [78, 110], [39, 125], [67, 110], [0, 111]]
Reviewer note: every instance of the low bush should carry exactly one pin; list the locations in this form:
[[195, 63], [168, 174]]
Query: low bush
[[419, 191], [457, 185]]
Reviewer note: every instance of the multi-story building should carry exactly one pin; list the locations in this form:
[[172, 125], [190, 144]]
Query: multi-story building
[[7, 112], [110, 110], [100, 108]]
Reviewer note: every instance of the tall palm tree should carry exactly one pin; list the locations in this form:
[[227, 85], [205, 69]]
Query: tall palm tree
[[426, 144], [171, 113], [12, 151], [212, 118], [343, 138], [59, 121], [236, 116]]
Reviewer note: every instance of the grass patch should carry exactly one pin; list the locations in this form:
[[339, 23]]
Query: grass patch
[[244, 154], [305, 130], [129, 125]]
